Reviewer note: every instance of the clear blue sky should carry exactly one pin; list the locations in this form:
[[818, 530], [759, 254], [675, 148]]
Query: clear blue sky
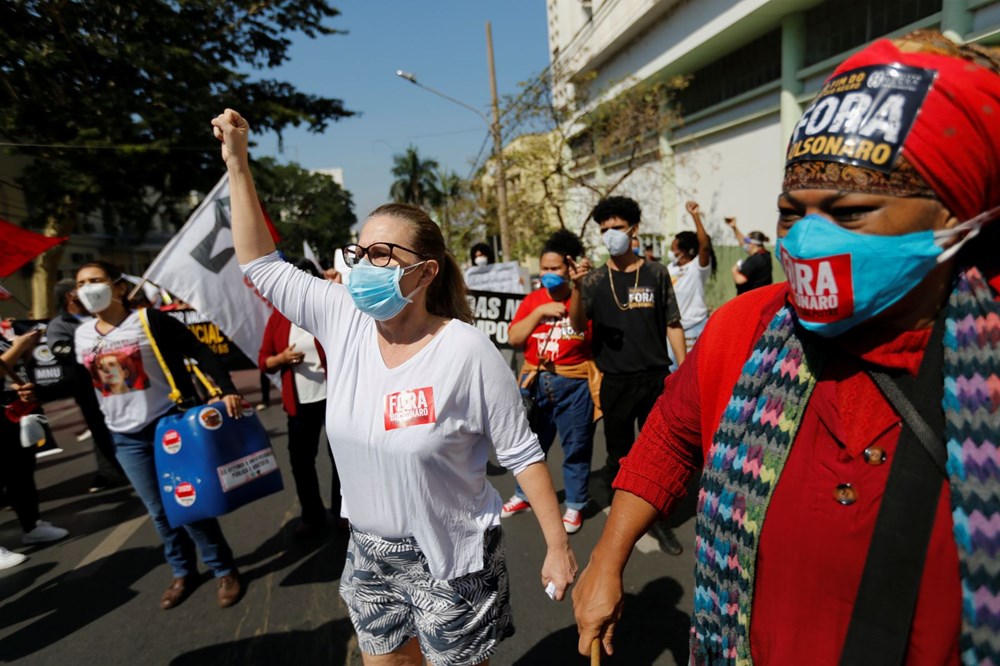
[[444, 43]]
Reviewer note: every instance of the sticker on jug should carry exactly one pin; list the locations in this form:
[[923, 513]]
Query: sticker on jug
[[247, 410], [242, 471], [185, 494], [171, 441], [210, 418]]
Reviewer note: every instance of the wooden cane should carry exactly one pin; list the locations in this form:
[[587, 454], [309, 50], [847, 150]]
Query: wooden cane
[[595, 652]]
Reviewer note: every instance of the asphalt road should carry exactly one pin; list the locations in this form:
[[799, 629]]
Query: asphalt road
[[94, 597]]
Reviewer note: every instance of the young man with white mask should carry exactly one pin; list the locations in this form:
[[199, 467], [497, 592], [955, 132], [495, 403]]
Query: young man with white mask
[[634, 312]]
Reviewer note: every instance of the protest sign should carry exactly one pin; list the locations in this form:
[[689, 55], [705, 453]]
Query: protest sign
[[210, 334], [504, 278], [493, 312], [41, 366]]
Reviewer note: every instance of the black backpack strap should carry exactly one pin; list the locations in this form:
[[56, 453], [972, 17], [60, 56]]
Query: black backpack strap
[[879, 630]]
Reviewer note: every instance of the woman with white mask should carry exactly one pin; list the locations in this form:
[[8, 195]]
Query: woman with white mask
[[134, 395], [418, 399]]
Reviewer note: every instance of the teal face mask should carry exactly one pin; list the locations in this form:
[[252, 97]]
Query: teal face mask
[[375, 291], [839, 278]]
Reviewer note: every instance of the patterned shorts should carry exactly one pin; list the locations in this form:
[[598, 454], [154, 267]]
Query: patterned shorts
[[392, 598]]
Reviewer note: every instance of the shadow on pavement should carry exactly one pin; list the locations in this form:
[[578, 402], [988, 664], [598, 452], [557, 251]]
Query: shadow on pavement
[[651, 625], [105, 584], [22, 578], [327, 644], [324, 558], [324, 565]]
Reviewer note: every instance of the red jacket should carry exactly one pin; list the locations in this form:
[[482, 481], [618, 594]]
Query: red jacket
[[812, 550], [276, 341]]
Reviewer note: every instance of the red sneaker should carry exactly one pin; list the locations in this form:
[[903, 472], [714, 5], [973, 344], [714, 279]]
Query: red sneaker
[[572, 521], [513, 506]]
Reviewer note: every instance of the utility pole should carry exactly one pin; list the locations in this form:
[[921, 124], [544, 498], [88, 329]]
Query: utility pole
[[501, 173]]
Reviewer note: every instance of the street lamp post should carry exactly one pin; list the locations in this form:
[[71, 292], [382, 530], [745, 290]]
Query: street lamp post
[[494, 125]]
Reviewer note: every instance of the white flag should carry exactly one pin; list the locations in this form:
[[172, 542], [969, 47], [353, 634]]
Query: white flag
[[199, 266], [310, 256]]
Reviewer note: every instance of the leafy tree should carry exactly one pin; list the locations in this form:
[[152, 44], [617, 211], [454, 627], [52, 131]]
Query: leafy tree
[[113, 100], [415, 179], [305, 206]]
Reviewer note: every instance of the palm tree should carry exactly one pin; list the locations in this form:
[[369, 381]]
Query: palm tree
[[415, 181], [450, 189]]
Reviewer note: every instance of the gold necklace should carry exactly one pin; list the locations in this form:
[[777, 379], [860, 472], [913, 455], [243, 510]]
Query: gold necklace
[[611, 281]]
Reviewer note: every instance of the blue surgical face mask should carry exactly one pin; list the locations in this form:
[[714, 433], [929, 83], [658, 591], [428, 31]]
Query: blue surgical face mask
[[375, 290], [618, 242], [839, 278], [552, 280]]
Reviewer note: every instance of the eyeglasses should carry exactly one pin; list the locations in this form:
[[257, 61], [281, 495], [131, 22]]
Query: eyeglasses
[[379, 254]]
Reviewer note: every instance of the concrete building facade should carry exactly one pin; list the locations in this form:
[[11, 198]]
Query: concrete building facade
[[754, 65]]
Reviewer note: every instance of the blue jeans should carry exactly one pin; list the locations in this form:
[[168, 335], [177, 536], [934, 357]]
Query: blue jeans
[[134, 451], [565, 405]]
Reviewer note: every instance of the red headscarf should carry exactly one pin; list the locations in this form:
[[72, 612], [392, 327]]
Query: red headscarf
[[954, 143]]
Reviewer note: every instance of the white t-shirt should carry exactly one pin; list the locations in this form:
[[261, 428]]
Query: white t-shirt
[[310, 379], [411, 442], [689, 288], [128, 381]]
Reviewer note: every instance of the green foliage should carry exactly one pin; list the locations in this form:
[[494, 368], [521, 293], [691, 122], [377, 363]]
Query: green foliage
[[305, 206], [416, 182], [120, 94]]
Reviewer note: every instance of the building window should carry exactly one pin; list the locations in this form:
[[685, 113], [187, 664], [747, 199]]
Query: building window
[[746, 68], [837, 26]]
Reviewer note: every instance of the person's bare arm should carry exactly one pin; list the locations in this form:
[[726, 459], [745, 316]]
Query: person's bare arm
[[738, 276], [731, 221], [288, 356], [19, 346], [518, 333], [599, 595], [675, 336], [560, 564], [704, 240], [251, 237], [577, 311]]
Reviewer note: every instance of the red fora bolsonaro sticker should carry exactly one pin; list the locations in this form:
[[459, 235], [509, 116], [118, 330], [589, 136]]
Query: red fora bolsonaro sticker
[[822, 289], [409, 408]]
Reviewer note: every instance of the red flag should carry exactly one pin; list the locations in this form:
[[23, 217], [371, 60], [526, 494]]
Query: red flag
[[19, 246], [271, 229]]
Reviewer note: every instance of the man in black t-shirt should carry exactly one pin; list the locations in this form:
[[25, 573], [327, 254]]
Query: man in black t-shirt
[[755, 270], [634, 313]]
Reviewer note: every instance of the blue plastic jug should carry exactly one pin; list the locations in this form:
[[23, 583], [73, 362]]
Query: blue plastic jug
[[209, 464]]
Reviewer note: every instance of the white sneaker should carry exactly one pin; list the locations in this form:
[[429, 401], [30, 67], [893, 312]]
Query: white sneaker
[[44, 533], [10, 559], [572, 521], [84, 436]]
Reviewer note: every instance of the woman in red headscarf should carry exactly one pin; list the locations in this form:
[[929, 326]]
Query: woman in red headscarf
[[845, 423]]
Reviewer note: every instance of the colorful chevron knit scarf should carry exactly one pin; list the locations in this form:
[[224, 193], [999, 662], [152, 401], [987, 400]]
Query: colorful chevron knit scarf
[[749, 450]]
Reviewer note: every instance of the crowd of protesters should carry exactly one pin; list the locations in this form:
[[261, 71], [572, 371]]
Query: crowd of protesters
[[865, 384]]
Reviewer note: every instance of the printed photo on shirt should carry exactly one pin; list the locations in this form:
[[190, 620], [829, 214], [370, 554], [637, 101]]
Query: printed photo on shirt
[[117, 371]]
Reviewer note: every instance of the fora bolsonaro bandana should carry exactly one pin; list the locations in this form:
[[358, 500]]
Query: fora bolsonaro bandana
[[861, 117]]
